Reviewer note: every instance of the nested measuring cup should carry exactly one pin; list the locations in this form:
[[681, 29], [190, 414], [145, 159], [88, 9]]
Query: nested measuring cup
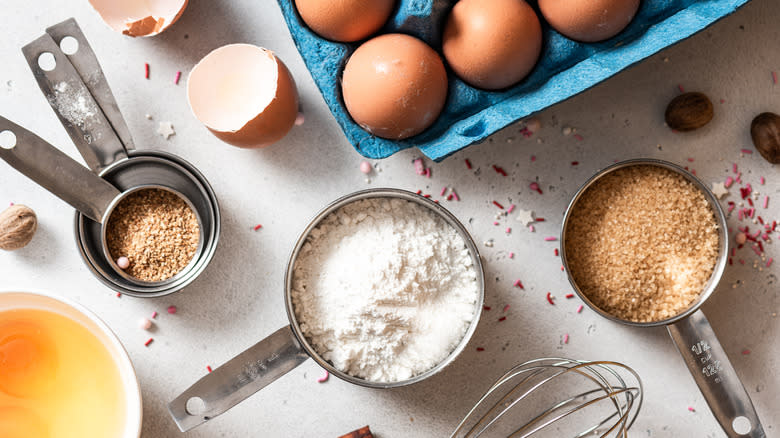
[[690, 329], [285, 349], [70, 77]]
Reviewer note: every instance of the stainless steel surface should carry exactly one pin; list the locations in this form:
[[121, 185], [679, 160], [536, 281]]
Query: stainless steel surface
[[72, 101], [58, 173], [715, 376], [580, 398], [216, 393], [153, 169], [86, 64], [726, 396], [255, 368]]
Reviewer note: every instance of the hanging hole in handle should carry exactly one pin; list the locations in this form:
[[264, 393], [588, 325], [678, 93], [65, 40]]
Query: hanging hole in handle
[[69, 45], [195, 406], [741, 425], [7, 140], [46, 61]]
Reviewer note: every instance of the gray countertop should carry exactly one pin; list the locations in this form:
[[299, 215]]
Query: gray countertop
[[239, 299]]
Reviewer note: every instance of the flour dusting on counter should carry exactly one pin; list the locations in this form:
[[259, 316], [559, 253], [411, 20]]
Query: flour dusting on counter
[[384, 289]]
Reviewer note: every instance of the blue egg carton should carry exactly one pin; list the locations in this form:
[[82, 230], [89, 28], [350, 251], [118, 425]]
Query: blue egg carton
[[565, 68]]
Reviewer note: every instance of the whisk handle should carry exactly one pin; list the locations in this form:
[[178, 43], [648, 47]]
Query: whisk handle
[[715, 376]]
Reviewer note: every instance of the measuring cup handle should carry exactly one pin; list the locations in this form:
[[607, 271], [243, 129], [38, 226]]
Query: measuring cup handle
[[715, 376], [254, 369], [58, 173]]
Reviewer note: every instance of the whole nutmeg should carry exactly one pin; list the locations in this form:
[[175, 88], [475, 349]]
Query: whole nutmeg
[[689, 111], [765, 131], [17, 227]]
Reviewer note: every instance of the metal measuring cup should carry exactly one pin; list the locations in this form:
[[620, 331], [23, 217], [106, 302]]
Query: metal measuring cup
[[285, 349], [77, 90], [690, 329]]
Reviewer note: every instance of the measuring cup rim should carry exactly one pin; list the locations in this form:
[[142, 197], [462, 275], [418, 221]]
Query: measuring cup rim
[[211, 236], [440, 212], [720, 219], [104, 232]]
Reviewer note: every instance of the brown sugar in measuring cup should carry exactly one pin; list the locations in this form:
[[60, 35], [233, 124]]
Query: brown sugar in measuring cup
[[156, 230], [640, 269]]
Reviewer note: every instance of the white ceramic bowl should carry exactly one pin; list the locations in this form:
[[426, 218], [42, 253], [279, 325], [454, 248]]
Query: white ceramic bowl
[[78, 313]]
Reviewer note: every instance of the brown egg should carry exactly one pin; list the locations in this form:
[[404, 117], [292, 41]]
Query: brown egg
[[394, 86], [139, 17], [345, 20], [492, 44], [244, 95], [589, 20]]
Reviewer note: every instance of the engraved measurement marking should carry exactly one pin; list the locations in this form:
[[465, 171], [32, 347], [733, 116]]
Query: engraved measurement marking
[[711, 367]]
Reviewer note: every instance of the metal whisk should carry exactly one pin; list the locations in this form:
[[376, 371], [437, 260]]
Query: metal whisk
[[580, 398]]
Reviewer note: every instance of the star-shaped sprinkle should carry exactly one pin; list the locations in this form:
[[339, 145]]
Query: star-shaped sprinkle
[[166, 130], [719, 190], [525, 217]]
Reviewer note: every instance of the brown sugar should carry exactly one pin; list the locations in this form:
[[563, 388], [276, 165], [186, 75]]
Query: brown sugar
[[641, 243], [156, 230]]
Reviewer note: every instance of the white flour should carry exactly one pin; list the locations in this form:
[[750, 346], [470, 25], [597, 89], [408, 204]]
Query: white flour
[[384, 289]]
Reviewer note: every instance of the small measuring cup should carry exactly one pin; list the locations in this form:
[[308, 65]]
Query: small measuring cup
[[285, 349], [69, 75], [94, 197], [690, 330]]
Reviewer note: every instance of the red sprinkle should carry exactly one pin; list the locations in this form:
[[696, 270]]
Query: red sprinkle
[[486, 307], [449, 197], [574, 163], [746, 151], [769, 262], [480, 349], [766, 201], [746, 352], [750, 201], [426, 196], [519, 284], [550, 239], [774, 77], [511, 208], [208, 368], [118, 295], [443, 191], [498, 205], [154, 314], [146, 70], [146, 344], [556, 252], [578, 137], [172, 309], [690, 408], [566, 338], [468, 163], [535, 186], [539, 219], [731, 262], [550, 298], [579, 309], [178, 76], [418, 192], [499, 170], [457, 198], [503, 318], [680, 87], [690, 160], [569, 296], [324, 378], [257, 227], [506, 307]]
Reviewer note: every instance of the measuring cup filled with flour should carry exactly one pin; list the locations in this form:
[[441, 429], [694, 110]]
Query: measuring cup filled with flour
[[383, 289]]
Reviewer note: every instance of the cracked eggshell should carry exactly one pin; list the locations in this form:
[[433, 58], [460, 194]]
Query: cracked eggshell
[[244, 95], [394, 86], [589, 21], [139, 17]]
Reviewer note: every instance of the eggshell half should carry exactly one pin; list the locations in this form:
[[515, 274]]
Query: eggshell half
[[589, 20], [139, 17], [394, 86], [244, 95], [345, 20], [492, 44]]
